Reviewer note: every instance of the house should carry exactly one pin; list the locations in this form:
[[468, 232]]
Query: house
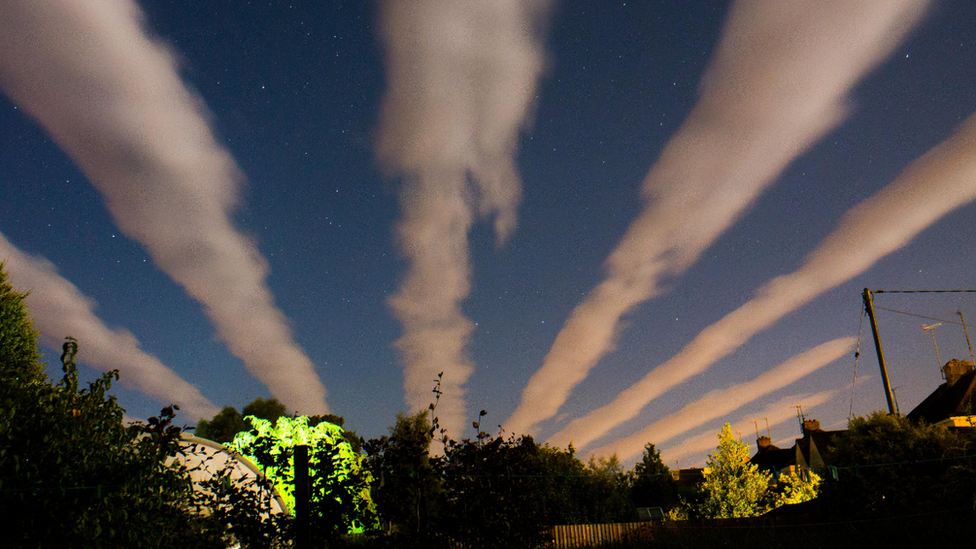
[[811, 449], [688, 477], [769, 457], [951, 404], [806, 454]]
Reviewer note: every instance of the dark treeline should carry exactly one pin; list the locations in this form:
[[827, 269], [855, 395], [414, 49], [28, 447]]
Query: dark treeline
[[73, 475], [493, 491], [484, 491]]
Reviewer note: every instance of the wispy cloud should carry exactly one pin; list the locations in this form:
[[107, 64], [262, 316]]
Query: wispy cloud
[[942, 180], [462, 78], [59, 309], [724, 401], [776, 84], [113, 100], [776, 413]]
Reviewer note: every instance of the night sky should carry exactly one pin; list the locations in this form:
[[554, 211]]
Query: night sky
[[548, 202]]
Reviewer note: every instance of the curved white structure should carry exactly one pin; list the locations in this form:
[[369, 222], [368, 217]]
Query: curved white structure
[[205, 458]]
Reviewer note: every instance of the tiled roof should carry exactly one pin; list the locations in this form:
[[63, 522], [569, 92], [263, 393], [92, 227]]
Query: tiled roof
[[948, 400], [772, 457]]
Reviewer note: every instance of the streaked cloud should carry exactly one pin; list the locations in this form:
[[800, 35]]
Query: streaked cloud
[[721, 402], [776, 413], [461, 83], [112, 98], [58, 309], [942, 180], [777, 83]]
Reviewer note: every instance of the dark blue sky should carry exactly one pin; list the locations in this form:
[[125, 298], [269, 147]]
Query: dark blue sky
[[294, 93]]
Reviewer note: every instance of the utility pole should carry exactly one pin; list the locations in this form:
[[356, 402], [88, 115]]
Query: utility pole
[[869, 306]]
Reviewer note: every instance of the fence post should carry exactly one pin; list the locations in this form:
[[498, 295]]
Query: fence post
[[303, 534]]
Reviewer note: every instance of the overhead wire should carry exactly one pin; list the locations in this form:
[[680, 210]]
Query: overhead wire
[[919, 316], [921, 291]]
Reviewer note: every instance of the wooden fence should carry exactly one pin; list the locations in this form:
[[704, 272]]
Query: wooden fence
[[576, 535]]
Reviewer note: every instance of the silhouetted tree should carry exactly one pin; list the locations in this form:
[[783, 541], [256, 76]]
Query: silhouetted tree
[[228, 422], [407, 489], [269, 409], [652, 484], [561, 487], [888, 463], [608, 492], [487, 491], [222, 428], [331, 418], [490, 485], [507, 492]]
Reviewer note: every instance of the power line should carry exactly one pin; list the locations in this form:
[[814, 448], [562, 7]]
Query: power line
[[922, 291], [918, 315]]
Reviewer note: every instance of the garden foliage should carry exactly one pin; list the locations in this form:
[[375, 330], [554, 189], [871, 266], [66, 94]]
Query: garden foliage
[[72, 474], [340, 496]]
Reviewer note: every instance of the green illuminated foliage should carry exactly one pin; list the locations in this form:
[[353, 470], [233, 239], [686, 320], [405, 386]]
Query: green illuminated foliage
[[792, 489], [733, 487], [340, 497]]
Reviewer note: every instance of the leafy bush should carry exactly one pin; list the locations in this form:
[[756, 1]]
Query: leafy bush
[[734, 487], [887, 463], [73, 475], [340, 496]]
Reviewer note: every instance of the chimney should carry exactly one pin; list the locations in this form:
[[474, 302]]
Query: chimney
[[810, 425], [955, 369], [763, 442]]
